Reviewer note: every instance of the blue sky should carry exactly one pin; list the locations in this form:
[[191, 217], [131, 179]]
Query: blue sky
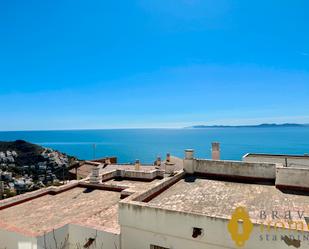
[[152, 63]]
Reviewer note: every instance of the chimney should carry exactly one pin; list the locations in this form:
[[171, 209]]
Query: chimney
[[158, 161], [188, 162], [137, 165], [168, 157], [215, 151], [94, 177], [107, 161]]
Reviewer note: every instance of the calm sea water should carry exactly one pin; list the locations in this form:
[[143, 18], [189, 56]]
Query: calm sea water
[[146, 144]]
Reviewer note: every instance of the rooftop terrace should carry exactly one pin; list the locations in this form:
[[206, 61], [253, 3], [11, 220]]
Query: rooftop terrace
[[220, 198], [92, 205], [80, 205]]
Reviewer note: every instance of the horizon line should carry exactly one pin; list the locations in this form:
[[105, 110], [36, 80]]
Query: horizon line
[[158, 128]]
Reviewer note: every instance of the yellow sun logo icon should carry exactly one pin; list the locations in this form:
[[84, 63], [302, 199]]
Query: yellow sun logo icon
[[240, 215]]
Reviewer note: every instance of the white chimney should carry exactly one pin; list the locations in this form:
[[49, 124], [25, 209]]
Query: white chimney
[[94, 177], [189, 153], [188, 162], [215, 151]]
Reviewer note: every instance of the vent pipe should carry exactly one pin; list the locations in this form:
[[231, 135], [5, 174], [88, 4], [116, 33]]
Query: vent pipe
[[168, 157], [158, 161]]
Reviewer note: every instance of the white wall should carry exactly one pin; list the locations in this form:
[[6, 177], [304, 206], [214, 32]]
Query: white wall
[[12, 240], [57, 239], [292, 161], [232, 168], [293, 177], [67, 237], [79, 235], [173, 230]]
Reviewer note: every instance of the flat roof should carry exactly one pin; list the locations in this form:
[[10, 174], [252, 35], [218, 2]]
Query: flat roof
[[220, 198], [305, 156], [77, 205], [84, 205]]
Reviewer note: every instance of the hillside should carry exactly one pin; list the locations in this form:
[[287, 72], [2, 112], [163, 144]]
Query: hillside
[[28, 153], [25, 167]]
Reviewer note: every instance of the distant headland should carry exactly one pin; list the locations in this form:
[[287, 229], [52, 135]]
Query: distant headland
[[248, 126]]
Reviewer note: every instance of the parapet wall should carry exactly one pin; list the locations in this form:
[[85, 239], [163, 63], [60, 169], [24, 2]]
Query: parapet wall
[[151, 193], [140, 175], [235, 169], [286, 160], [292, 178], [289, 178], [133, 174]]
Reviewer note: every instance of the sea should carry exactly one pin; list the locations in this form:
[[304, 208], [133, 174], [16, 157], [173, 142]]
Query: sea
[[146, 144]]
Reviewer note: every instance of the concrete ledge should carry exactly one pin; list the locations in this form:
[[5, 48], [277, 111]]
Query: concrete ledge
[[155, 191], [100, 186], [139, 174], [292, 178], [109, 175], [236, 169], [10, 202], [297, 161], [16, 200]]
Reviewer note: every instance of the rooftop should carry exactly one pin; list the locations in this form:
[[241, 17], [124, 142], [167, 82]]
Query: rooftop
[[305, 156], [85, 169], [92, 205], [77, 205], [220, 198], [131, 185]]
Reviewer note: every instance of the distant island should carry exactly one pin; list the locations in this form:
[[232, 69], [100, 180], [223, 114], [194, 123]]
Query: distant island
[[248, 126]]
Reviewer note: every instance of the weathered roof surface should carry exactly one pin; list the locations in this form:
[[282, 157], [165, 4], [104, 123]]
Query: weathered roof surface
[[96, 208], [43, 210], [77, 205], [220, 199]]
